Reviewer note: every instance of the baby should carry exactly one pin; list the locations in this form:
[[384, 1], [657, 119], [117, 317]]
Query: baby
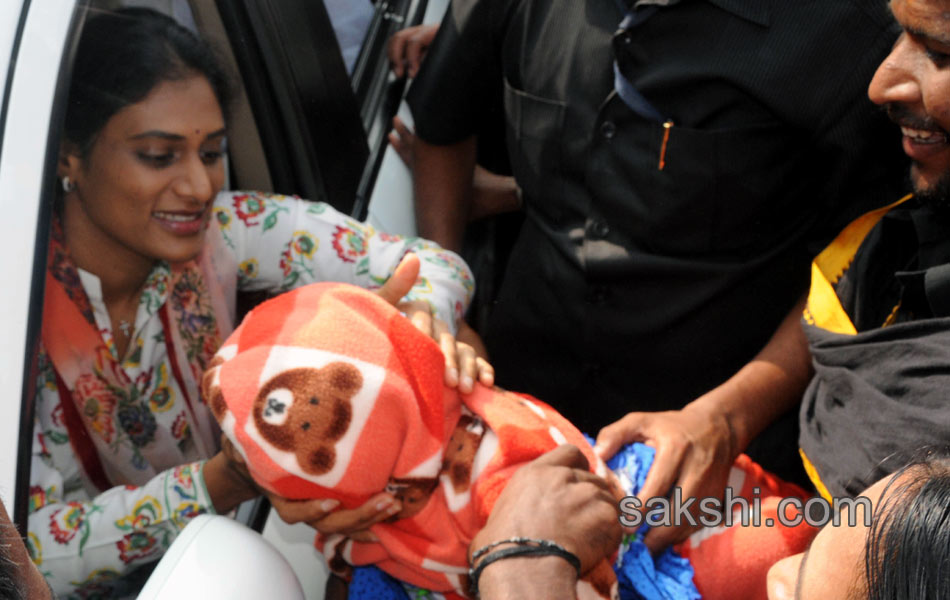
[[329, 392]]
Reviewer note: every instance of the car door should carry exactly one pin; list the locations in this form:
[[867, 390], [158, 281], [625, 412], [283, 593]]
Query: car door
[[34, 38]]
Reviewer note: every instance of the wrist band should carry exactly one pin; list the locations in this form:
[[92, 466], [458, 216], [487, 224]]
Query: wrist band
[[544, 548], [521, 541]]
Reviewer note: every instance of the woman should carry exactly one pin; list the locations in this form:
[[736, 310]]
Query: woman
[[904, 554], [145, 258]]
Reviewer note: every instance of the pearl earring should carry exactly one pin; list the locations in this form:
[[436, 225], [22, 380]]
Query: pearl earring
[[67, 185]]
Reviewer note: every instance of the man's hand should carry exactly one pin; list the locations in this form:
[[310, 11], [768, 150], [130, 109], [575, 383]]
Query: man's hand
[[401, 138], [491, 194], [465, 355], [408, 47], [695, 448], [556, 498]]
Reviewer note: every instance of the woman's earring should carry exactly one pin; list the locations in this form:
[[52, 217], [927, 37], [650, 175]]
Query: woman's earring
[[67, 184]]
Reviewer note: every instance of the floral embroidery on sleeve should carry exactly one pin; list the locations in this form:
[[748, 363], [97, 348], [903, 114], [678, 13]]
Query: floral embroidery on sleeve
[[282, 242]]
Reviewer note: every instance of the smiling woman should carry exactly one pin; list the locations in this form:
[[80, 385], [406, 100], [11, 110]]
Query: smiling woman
[[146, 254]]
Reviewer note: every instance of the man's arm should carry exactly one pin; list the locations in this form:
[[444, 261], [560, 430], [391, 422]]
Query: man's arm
[[556, 498], [696, 446], [442, 179]]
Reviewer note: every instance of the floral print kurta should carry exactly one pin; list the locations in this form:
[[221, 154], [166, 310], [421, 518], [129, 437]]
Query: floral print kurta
[[86, 544]]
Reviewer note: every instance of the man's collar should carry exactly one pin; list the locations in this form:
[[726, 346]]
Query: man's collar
[[757, 11]]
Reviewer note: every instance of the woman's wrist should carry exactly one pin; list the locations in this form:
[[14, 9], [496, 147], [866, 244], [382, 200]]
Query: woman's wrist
[[226, 486]]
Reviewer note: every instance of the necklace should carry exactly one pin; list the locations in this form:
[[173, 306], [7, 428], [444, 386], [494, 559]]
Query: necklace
[[126, 327]]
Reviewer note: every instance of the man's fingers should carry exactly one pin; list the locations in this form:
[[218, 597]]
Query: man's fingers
[[565, 455], [415, 50], [663, 473], [404, 132], [403, 151], [660, 538], [401, 281], [626, 430], [396, 51]]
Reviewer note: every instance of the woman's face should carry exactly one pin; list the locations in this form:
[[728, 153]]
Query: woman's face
[[145, 189], [833, 565]]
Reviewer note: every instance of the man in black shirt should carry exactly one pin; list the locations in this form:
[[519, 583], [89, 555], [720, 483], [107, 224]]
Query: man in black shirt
[[681, 162]]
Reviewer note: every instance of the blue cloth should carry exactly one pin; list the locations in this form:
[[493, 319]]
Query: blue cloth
[[369, 583], [640, 576]]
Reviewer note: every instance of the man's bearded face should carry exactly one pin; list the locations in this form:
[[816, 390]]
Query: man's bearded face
[[913, 85]]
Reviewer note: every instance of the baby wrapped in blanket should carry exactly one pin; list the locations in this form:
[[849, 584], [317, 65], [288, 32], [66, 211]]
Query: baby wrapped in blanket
[[327, 391]]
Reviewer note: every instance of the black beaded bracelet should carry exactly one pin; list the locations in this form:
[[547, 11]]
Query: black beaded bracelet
[[521, 541], [546, 549]]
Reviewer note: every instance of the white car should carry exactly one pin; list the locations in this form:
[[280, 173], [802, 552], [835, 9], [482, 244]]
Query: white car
[[302, 125]]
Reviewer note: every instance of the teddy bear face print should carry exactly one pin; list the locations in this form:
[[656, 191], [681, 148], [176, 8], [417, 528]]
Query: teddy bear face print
[[306, 410]]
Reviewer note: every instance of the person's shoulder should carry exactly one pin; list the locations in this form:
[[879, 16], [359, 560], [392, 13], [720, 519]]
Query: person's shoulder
[[232, 198], [861, 13]]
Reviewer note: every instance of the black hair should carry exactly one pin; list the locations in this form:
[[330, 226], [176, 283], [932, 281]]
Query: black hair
[[121, 57], [10, 586], [908, 549]]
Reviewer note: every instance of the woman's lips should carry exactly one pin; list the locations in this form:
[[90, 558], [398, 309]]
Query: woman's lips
[[181, 223]]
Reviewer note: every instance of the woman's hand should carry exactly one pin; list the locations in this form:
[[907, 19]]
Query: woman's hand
[[321, 514], [228, 483], [465, 354]]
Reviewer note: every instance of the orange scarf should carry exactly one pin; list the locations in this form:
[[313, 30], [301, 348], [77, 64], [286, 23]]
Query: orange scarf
[[111, 427]]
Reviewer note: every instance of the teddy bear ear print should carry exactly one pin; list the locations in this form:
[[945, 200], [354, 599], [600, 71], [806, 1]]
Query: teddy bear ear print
[[277, 406], [211, 391], [344, 377]]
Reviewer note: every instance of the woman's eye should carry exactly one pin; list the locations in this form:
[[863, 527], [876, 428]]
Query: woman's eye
[[211, 157], [157, 160]]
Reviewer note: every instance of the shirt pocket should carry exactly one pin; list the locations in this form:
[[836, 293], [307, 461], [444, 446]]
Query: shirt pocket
[[534, 126], [715, 195]]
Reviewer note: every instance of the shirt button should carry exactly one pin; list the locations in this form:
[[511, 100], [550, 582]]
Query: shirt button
[[626, 38], [608, 130], [598, 229]]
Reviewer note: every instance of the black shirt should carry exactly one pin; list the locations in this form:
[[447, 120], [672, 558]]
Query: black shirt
[[879, 396], [900, 273], [636, 288]]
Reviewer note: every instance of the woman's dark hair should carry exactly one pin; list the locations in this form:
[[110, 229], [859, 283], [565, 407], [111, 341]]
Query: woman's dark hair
[[122, 55], [908, 548], [10, 587]]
